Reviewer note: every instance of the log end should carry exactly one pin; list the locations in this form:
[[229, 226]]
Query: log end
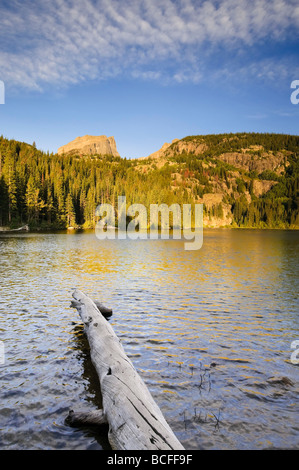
[[106, 312], [86, 418]]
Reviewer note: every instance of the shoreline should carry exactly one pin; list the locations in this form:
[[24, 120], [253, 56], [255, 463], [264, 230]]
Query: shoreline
[[93, 229]]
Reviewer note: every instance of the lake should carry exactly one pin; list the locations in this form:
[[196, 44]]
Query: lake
[[210, 332]]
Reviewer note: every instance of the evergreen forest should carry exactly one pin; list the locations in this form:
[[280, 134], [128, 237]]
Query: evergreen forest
[[244, 180]]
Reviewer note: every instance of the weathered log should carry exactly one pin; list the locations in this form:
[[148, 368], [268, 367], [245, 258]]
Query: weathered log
[[134, 418], [25, 228]]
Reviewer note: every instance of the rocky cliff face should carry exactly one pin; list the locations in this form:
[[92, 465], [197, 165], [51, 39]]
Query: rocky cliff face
[[250, 162], [90, 145], [250, 159], [161, 152]]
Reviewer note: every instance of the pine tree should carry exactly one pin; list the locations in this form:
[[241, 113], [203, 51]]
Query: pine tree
[[9, 173], [60, 198], [49, 205], [3, 202], [34, 203], [89, 209], [32, 194], [70, 211]]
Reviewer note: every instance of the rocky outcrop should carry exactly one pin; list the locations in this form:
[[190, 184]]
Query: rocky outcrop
[[261, 187], [182, 146], [254, 158], [161, 152], [90, 145], [251, 162]]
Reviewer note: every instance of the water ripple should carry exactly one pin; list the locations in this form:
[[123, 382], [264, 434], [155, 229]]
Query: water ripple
[[209, 332]]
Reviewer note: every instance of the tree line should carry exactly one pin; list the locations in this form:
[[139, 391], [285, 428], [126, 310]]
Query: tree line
[[50, 191]]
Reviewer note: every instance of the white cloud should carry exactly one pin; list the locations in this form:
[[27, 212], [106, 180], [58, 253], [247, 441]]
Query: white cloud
[[68, 41]]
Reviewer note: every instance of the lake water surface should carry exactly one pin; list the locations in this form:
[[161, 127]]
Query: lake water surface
[[209, 331]]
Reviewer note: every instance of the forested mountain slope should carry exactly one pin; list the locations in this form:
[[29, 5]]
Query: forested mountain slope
[[243, 180]]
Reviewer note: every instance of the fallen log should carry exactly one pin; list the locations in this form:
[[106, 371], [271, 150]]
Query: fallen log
[[25, 228], [135, 421]]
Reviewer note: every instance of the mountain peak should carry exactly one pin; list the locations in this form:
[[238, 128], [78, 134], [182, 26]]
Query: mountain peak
[[90, 145]]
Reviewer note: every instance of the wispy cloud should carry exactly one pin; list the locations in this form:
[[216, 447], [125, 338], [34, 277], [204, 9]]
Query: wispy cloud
[[257, 116], [63, 42]]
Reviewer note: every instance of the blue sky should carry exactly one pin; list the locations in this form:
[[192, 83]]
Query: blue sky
[[146, 71]]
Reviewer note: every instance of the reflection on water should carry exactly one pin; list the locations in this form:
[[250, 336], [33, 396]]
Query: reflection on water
[[205, 329]]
